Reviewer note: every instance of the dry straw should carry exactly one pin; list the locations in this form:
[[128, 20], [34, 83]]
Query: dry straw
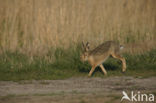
[[35, 26]]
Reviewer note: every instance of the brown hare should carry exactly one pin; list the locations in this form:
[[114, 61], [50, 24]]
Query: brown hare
[[100, 54]]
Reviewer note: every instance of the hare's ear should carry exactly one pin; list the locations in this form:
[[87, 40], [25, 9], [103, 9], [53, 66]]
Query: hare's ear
[[83, 45], [87, 45]]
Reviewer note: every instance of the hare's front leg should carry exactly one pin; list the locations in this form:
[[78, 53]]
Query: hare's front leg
[[103, 69], [91, 71]]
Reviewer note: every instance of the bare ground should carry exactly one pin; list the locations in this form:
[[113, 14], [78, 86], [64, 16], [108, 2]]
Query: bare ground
[[74, 90]]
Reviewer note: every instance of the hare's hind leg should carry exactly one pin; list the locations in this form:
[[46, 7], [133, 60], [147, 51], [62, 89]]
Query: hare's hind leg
[[117, 56], [103, 69]]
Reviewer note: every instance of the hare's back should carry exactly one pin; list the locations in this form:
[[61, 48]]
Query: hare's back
[[103, 48]]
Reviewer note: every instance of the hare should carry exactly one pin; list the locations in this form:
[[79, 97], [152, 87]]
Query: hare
[[101, 53]]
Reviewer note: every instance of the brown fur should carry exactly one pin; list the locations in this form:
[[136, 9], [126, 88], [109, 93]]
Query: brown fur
[[98, 55]]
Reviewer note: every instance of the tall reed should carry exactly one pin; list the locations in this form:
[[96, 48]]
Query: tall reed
[[35, 26]]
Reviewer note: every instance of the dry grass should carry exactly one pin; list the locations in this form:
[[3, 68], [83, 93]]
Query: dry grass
[[35, 26]]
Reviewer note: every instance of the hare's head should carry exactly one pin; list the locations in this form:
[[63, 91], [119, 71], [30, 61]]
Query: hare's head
[[85, 54]]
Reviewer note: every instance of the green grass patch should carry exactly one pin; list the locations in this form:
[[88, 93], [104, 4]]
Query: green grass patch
[[65, 63]]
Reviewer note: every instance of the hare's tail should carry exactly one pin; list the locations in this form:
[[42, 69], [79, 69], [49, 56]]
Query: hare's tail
[[121, 47]]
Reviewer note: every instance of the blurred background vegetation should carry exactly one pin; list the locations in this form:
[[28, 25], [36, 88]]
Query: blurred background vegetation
[[43, 37], [34, 26]]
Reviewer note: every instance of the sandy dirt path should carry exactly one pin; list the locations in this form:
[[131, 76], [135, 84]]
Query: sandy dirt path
[[74, 90]]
